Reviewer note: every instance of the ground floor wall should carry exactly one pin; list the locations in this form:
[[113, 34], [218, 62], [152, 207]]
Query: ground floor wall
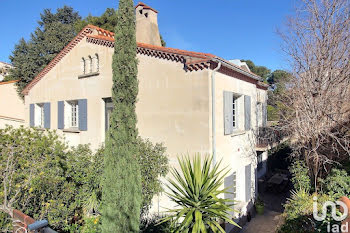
[[4, 121]]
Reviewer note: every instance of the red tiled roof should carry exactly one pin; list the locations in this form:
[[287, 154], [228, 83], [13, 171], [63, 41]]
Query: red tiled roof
[[192, 60], [145, 7]]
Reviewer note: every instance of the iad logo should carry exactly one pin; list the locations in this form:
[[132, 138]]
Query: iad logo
[[333, 208], [336, 228]]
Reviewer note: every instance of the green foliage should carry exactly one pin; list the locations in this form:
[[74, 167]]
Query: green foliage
[[162, 41], [52, 181], [262, 71], [301, 179], [196, 192], [151, 225], [336, 184], [272, 113], [154, 164], [121, 196], [91, 225], [55, 31], [298, 213], [107, 21]]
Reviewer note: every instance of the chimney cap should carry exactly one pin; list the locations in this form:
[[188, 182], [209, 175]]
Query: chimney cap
[[145, 7]]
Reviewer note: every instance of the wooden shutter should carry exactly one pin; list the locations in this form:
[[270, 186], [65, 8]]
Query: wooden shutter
[[32, 115], [248, 182], [247, 112], [228, 112], [60, 116], [47, 115], [82, 108], [264, 114]]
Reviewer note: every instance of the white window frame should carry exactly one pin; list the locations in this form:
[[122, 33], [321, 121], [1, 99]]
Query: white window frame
[[39, 112], [71, 112]]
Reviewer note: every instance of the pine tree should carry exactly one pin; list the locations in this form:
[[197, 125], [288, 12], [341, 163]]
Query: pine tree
[[55, 31], [121, 195]]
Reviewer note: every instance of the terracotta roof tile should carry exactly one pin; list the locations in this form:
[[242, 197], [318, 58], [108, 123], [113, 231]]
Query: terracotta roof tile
[[145, 7], [194, 60]]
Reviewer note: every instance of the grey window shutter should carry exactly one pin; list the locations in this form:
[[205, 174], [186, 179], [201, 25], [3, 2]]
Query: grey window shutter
[[82, 105], [248, 182], [47, 115], [60, 115], [228, 112], [31, 115], [247, 112], [264, 114]]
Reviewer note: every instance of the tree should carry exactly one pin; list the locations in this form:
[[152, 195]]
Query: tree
[[278, 80], [107, 21], [55, 31], [121, 185], [316, 102], [262, 71]]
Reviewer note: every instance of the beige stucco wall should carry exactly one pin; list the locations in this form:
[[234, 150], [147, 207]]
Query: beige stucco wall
[[174, 108], [11, 106]]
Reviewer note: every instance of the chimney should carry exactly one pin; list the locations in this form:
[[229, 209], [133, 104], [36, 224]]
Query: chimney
[[147, 25]]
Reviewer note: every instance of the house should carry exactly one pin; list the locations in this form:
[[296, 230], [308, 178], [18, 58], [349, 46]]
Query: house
[[192, 102], [4, 68], [11, 105]]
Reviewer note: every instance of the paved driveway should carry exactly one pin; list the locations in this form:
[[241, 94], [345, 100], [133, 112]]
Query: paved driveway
[[266, 223]]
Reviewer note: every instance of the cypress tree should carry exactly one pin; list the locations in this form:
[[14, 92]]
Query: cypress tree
[[121, 196]]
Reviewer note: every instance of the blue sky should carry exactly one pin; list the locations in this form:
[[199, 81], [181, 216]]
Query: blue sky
[[232, 29]]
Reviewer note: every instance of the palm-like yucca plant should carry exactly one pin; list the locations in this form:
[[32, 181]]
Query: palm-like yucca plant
[[196, 192]]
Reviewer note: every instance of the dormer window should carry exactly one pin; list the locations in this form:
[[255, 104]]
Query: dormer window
[[96, 63], [83, 65], [90, 66]]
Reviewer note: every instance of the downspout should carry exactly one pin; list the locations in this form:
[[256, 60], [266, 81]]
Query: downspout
[[213, 127]]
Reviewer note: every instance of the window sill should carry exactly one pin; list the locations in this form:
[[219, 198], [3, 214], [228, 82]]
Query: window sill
[[39, 128], [71, 130], [88, 75], [238, 133]]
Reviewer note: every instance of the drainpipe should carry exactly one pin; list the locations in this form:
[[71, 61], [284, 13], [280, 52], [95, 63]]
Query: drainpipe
[[213, 111]]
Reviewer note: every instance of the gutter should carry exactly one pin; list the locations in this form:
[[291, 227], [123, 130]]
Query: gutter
[[235, 68], [213, 100]]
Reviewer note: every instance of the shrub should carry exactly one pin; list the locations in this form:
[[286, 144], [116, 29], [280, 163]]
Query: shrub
[[152, 224], [301, 179], [336, 184], [196, 192]]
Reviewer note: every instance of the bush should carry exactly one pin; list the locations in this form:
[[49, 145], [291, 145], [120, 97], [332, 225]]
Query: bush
[[62, 184], [153, 224], [301, 179], [197, 193], [336, 184]]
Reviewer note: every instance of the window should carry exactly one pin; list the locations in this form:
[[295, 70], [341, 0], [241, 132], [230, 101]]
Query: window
[[72, 114], [260, 159], [83, 65], [97, 63], [108, 112], [234, 185], [234, 112], [90, 64], [39, 115]]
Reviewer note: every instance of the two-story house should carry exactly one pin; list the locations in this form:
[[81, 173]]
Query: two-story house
[[192, 102]]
